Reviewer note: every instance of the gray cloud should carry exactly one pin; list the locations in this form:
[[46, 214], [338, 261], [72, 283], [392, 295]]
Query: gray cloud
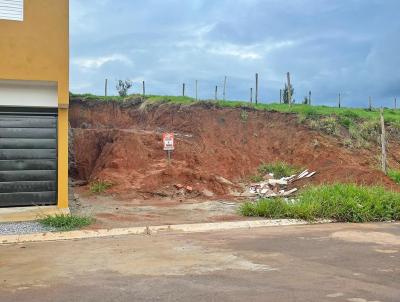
[[346, 46]]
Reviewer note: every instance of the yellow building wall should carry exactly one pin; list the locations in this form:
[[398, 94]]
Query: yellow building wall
[[38, 49]]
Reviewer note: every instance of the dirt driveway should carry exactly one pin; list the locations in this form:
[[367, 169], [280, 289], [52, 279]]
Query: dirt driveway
[[128, 210], [335, 262]]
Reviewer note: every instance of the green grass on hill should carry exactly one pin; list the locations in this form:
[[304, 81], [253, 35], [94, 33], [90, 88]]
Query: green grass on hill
[[339, 202], [307, 111]]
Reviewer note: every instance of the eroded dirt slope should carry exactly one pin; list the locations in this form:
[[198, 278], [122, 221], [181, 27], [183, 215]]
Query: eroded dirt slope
[[216, 148]]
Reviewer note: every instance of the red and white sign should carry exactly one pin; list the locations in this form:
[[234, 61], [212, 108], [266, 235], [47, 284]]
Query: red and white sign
[[168, 140]]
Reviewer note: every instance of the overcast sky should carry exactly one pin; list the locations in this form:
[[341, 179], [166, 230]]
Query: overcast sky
[[329, 46]]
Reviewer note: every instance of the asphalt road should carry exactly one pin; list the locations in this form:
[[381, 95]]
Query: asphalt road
[[335, 262]]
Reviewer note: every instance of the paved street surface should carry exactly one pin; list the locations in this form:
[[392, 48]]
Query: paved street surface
[[336, 262]]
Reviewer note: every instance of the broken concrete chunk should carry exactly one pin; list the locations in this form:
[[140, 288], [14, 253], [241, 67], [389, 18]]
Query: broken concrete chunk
[[277, 182]]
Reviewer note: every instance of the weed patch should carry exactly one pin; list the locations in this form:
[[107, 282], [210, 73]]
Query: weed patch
[[66, 222], [329, 125], [394, 175], [244, 115], [99, 186], [339, 202]]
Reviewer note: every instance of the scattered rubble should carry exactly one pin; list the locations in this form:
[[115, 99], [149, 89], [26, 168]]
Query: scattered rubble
[[271, 187]]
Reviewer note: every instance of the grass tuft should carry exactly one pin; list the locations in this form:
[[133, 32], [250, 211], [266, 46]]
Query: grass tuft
[[66, 222], [99, 186], [394, 175], [338, 202]]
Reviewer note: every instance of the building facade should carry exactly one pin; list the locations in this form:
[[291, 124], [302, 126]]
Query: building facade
[[34, 97]]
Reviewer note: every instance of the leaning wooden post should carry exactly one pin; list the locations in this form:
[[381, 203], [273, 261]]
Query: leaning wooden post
[[251, 95], [216, 92], [339, 104], [289, 92], [369, 104], [183, 89], [105, 87], [309, 97], [256, 92], [224, 92], [280, 96], [383, 141], [144, 88]]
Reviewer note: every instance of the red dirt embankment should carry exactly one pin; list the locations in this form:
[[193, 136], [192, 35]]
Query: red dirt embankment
[[215, 147]]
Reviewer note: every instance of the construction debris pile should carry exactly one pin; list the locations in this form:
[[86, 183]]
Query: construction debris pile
[[271, 187]]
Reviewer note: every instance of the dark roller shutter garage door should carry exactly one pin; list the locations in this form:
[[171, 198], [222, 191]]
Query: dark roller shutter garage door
[[28, 157]]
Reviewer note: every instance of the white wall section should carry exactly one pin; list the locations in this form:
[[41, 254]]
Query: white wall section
[[12, 10], [28, 94]]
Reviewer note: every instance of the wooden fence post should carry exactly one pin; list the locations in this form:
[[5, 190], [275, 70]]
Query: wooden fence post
[[309, 97], [216, 92], [369, 104], [289, 92], [383, 141], [280, 96], [251, 95], [224, 92], [339, 101], [256, 92], [105, 87], [183, 89], [144, 88]]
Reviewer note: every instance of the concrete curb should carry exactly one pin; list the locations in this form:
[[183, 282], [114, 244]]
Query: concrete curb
[[187, 228], [18, 214]]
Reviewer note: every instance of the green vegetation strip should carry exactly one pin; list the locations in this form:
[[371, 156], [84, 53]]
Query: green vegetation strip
[[338, 202], [66, 222], [391, 115]]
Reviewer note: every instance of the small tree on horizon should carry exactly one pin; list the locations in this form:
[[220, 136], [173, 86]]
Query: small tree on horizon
[[123, 86], [285, 96]]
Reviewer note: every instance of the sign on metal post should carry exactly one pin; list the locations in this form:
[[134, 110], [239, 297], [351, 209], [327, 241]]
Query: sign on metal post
[[168, 141]]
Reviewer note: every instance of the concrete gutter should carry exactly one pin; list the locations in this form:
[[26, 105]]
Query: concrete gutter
[[148, 230]]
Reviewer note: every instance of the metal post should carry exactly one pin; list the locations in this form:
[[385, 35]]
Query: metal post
[[105, 87]]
